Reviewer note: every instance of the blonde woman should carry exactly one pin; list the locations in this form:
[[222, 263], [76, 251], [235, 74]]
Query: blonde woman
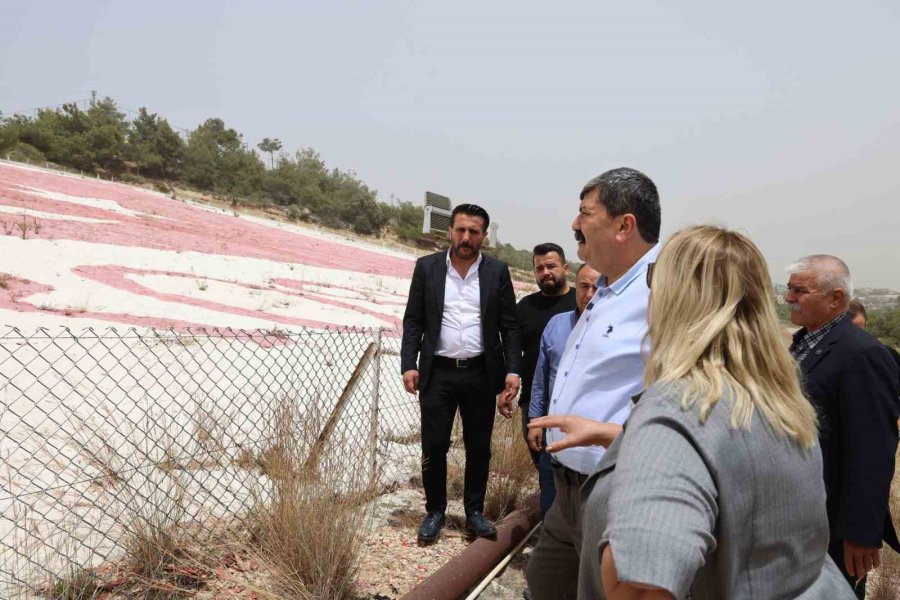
[[714, 488]]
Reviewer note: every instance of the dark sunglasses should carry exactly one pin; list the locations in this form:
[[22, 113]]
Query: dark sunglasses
[[650, 274]]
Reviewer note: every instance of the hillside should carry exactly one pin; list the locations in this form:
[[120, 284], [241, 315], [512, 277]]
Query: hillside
[[81, 252]]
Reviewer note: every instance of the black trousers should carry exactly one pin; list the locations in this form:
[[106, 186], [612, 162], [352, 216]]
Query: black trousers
[[450, 389]]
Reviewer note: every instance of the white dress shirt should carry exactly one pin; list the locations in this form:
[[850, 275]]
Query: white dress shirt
[[461, 334], [602, 366]]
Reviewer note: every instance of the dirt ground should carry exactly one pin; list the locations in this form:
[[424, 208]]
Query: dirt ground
[[510, 583], [394, 563]]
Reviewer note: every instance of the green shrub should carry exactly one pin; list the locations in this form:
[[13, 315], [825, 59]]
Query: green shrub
[[23, 152]]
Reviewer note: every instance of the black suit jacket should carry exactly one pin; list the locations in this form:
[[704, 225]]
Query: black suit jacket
[[424, 310], [853, 382]]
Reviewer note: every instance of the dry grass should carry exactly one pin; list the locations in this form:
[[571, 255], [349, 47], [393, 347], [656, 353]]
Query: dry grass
[[78, 584], [309, 533], [413, 437], [513, 477], [25, 227], [164, 558], [209, 430], [456, 479], [90, 438], [884, 582]]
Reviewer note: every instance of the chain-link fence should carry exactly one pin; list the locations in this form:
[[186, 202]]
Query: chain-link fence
[[98, 426]]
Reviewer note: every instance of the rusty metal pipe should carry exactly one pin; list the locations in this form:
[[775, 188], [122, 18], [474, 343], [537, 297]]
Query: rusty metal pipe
[[462, 572]]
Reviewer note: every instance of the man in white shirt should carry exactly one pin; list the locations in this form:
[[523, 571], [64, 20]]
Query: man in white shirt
[[617, 229], [460, 350]]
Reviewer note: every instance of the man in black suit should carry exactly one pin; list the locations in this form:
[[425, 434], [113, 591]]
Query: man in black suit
[[460, 350], [853, 382]]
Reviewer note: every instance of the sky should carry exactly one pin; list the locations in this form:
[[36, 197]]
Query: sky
[[780, 119]]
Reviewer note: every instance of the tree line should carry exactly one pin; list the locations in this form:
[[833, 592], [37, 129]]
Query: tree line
[[212, 158], [884, 324], [215, 158]]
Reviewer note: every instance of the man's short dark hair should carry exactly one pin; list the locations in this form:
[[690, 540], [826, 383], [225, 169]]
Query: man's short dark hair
[[471, 210], [547, 248], [624, 191], [857, 308], [580, 267]]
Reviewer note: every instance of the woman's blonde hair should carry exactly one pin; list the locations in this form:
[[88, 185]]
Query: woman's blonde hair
[[713, 327]]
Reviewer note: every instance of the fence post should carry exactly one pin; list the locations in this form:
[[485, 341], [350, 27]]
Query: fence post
[[312, 461], [376, 401]]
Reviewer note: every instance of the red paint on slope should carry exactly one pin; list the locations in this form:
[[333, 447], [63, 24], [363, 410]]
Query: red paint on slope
[[183, 228]]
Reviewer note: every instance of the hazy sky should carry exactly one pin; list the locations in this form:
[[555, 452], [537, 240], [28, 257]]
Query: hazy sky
[[778, 118]]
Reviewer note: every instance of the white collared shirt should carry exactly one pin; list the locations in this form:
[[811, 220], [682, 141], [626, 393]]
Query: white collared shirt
[[602, 366], [461, 335]]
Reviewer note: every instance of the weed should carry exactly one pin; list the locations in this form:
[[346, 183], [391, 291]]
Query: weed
[[91, 439], [513, 477], [202, 285], [245, 459], [208, 430], [456, 479], [5, 280], [884, 582], [413, 437], [25, 227], [165, 559], [308, 532], [275, 332], [170, 337], [78, 584]]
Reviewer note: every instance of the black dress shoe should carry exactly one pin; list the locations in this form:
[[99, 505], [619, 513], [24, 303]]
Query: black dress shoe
[[479, 526], [431, 526]]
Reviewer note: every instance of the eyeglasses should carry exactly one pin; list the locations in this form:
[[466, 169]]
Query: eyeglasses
[[650, 274]]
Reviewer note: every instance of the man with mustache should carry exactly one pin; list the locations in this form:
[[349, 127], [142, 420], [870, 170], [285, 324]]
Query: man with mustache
[[617, 229], [853, 382], [535, 310], [460, 350]]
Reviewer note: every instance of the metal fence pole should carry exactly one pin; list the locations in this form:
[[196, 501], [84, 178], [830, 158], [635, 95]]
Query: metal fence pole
[[376, 397], [312, 461]]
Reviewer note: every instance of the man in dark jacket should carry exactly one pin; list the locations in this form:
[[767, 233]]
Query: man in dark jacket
[[460, 350], [853, 382], [535, 310]]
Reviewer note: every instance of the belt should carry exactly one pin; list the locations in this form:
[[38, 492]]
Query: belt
[[458, 363], [571, 476]]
